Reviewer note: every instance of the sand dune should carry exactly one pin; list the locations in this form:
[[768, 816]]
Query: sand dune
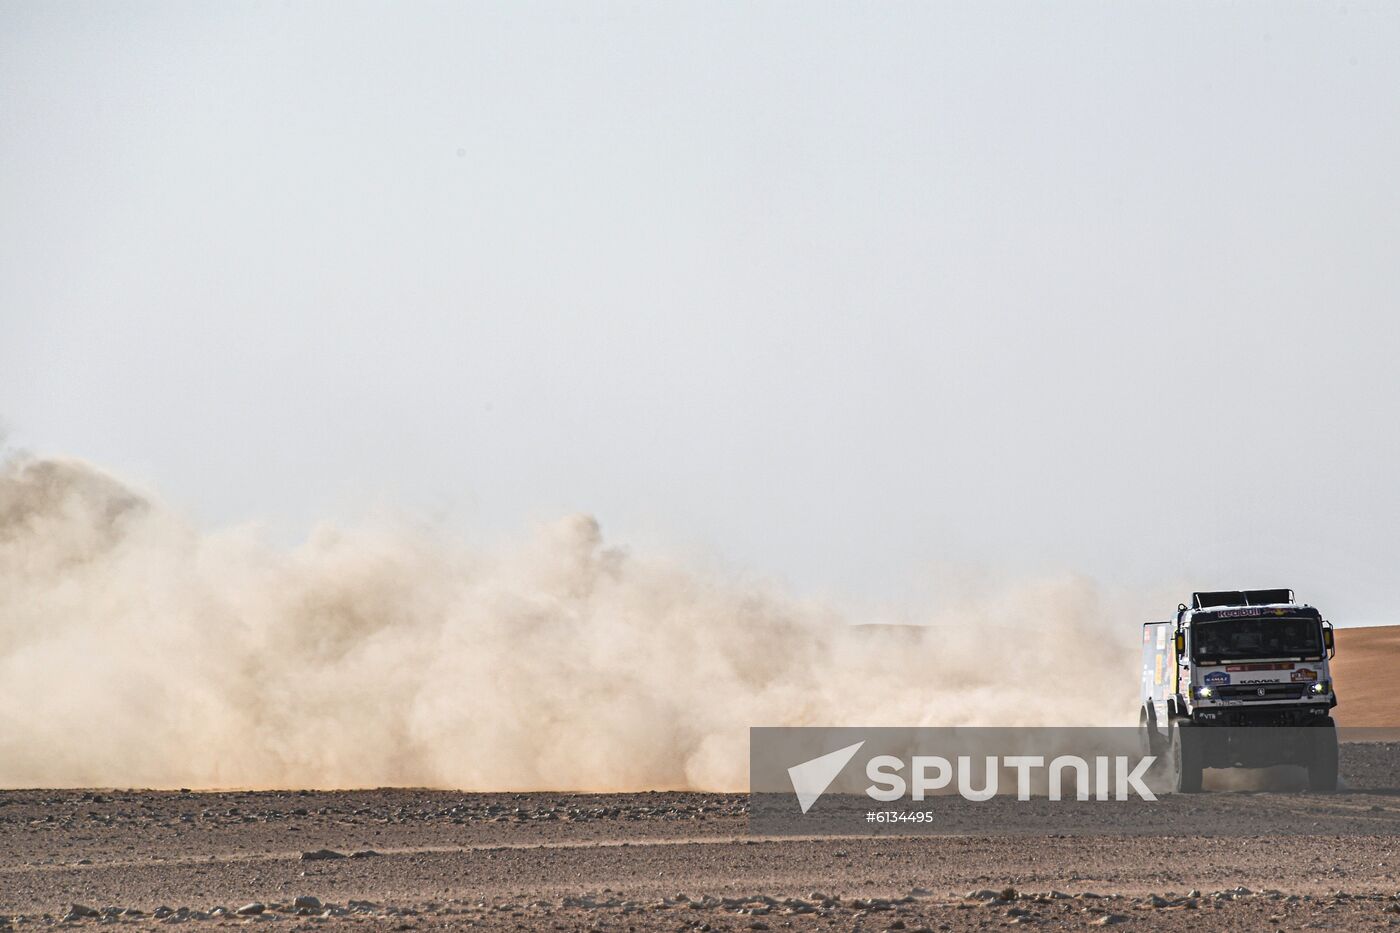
[[1366, 670]]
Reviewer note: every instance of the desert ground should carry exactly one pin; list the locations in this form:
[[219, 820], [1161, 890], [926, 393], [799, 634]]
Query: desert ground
[[1365, 671], [416, 859]]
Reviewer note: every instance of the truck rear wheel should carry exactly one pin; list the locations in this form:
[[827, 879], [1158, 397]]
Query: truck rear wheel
[[1186, 758], [1149, 739], [1322, 759]]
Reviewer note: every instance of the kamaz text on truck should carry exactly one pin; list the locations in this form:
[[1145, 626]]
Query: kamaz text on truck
[[1240, 679]]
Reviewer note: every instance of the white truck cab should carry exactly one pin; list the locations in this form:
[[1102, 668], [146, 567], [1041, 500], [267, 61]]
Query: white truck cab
[[1234, 660]]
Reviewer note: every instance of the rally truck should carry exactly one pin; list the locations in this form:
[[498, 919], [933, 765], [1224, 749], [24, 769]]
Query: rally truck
[[1240, 679]]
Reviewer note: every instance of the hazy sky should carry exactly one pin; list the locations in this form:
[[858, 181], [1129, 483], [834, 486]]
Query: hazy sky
[[833, 293]]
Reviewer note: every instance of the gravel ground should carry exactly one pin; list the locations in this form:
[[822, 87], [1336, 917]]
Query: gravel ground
[[410, 859]]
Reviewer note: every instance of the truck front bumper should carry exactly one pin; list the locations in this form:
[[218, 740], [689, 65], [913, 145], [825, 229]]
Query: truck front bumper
[[1264, 714]]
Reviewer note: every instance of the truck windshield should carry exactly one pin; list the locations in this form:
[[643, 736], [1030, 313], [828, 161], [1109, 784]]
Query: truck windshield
[[1247, 639]]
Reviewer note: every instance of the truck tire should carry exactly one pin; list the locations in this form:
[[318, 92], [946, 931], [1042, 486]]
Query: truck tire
[[1186, 758], [1322, 759], [1149, 739]]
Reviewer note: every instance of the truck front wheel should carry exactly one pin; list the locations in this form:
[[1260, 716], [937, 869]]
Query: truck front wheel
[[1322, 759], [1186, 758]]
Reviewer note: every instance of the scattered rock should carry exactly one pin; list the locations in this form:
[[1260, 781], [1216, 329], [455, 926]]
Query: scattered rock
[[364, 853], [307, 903], [251, 910], [80, 912], [320, 855]]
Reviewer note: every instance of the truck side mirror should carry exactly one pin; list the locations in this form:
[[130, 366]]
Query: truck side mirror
[[1327, 639], [1180, 643]]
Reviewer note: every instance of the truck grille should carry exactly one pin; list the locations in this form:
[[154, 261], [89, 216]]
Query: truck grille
[[1270, 692]]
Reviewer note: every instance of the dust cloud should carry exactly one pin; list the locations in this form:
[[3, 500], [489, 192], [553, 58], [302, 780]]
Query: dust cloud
[[139, 651]]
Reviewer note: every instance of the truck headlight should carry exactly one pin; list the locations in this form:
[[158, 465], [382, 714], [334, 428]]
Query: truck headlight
[[1205, 693], [1322, 686]]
